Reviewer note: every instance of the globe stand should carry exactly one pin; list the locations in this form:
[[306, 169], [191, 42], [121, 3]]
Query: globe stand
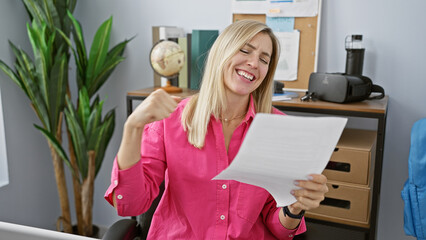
[[170, 88]]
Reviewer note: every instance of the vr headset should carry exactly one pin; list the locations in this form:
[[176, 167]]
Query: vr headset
[[342, 88]]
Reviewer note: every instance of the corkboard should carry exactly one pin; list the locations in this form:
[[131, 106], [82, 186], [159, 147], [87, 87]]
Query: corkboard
[[307, 48]]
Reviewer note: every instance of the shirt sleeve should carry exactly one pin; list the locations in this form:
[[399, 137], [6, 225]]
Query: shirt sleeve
[[136, 187], [272, 221]]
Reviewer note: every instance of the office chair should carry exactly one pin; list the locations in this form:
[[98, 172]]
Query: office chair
[[135, 228]]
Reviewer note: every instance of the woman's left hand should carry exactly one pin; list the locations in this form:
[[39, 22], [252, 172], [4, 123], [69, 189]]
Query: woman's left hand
[[310, 194]]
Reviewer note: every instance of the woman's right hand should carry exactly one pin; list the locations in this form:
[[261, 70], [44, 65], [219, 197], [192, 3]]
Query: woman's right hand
[[157, 106]]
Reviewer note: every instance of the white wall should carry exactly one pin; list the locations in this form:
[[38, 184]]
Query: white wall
[[394, 59]]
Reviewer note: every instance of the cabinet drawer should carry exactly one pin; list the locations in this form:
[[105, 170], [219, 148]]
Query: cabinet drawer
[[349, 165], [352, 159], [344, 203]]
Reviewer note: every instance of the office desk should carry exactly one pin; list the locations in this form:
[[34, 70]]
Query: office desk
[[141, 94], [373, 109]]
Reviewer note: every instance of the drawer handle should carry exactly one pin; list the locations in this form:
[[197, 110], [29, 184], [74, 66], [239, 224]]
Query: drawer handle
[[336, 149], [338, 166], [333, 202]]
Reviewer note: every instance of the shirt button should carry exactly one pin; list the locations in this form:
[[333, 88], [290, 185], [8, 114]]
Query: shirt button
[[120, 196], [115, 182], [291, 235], [222, 217], [224, 186]]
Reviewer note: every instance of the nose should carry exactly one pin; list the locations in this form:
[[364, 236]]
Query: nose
[[253, 61]]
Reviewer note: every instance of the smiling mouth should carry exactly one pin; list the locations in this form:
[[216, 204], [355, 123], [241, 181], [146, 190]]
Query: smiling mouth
[[246, 75]]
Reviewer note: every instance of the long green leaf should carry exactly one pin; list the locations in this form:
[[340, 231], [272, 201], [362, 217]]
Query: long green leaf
[[78, 38], [57, 88], [52, 16], [9, 72], [98, 50], [35, 98], [103, 76], [118, 49], [58, 148], [78, 139], [35, 10], [35, 35], [113, 59], [25, 69], [100, 138], [106, 134], [62, 7], [80, 60], [95, 116], [67, 40], [83, 107], [92, 124], [23, 60], [55, 143]]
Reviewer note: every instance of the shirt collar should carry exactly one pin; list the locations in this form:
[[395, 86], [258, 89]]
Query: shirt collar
[[251, 110]]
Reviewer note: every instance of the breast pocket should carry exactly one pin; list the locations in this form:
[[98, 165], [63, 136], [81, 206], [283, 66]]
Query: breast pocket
[[251, 200]]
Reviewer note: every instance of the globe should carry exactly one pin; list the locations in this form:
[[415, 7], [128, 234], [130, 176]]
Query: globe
[[167, 58]]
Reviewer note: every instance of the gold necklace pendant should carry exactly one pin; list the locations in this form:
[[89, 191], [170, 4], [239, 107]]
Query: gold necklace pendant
[[226, 120]]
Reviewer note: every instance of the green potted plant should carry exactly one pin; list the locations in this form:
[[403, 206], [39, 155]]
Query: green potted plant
[[87, 131], [45, 81]]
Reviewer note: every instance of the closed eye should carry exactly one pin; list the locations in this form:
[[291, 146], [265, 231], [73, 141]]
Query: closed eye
[[244, 51], [264, 61]]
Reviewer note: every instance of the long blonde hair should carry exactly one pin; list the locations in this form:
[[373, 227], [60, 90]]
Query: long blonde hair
[[211, 99]]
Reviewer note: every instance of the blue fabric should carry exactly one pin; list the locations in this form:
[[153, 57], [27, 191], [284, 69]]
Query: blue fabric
[[414, 192]]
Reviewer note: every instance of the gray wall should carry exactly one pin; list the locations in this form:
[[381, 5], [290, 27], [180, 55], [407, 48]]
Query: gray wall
[[30, 198], [393, 36]]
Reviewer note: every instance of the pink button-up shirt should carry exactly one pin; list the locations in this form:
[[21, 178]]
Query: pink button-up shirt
[[193, 205]]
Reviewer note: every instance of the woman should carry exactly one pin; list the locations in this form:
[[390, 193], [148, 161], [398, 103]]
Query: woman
[[189, 142]]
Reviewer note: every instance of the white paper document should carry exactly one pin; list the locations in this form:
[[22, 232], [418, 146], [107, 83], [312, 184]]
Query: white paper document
[[289, 56], [278, 150]]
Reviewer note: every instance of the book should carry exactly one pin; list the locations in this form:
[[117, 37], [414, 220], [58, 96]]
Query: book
[[188, 59], [201, 42], [183, 74]]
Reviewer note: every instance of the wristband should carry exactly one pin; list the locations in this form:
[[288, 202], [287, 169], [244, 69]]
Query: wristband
[[288, 213]]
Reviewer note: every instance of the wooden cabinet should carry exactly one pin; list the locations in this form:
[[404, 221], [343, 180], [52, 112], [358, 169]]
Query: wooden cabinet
[[357, 192], [350, 177]]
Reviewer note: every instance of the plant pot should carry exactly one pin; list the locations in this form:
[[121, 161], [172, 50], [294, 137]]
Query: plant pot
[[95, 231]]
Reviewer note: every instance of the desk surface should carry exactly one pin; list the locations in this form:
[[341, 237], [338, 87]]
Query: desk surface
[[146, 91], [373, 106], [13, 231]]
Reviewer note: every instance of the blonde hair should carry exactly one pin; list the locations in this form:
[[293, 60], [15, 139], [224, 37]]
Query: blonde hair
[[211, 99]]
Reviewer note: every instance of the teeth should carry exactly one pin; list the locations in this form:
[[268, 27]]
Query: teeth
[[246, 75]]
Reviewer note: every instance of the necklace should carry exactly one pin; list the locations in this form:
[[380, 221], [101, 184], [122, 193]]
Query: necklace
[[230, 119]]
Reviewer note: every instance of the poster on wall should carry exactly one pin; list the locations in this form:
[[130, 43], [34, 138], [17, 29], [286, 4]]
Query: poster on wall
[[275, 8], [4, 175]]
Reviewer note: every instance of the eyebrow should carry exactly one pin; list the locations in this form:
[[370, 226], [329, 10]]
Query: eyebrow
[[253, 47]]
